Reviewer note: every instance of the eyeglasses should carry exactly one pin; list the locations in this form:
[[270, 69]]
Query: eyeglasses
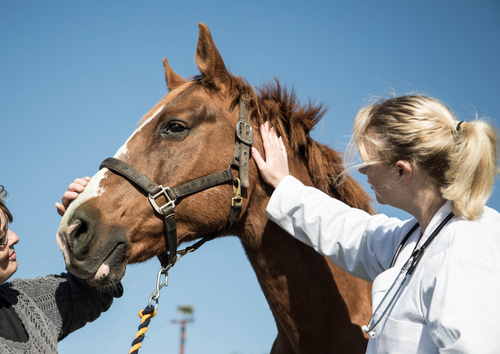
[[3, 237]]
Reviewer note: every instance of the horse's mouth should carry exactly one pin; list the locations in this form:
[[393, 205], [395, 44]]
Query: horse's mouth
[[108, 272], [112, 269]]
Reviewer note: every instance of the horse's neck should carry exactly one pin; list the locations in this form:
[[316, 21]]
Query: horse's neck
[[307, 294], [312, 300]]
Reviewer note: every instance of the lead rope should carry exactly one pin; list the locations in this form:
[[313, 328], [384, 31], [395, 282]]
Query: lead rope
[[146, 315], [150, 311]]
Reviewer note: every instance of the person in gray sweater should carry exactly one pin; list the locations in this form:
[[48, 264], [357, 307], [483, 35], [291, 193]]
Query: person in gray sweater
[[35, 314]]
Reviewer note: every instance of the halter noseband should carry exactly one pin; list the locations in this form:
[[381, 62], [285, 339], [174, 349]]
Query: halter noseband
[[244, 134]]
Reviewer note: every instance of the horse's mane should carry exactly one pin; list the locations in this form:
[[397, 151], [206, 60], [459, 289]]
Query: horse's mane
[[294, 122]]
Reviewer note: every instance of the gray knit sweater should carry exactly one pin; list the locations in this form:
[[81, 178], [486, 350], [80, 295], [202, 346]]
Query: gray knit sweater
[[52, 307]]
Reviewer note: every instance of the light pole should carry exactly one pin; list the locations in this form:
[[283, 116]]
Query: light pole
[[187, 317]]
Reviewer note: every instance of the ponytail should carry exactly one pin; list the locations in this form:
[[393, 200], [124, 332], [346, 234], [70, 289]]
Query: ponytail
[[473, 167]]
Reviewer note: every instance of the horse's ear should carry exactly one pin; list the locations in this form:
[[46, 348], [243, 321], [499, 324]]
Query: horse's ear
[[209, 60], [173, 80]]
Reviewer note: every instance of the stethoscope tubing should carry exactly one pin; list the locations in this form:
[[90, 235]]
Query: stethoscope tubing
[[409, 268]]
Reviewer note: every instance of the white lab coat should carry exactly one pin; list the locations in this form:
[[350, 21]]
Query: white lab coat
[[451, 304]]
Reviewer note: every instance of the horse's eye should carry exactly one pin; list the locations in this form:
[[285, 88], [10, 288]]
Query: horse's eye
[[175, 128]]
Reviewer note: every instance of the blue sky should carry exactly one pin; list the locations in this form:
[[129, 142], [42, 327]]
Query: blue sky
[[76, 77]]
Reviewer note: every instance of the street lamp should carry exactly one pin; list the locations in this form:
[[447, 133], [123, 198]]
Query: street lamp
[[186, 313]]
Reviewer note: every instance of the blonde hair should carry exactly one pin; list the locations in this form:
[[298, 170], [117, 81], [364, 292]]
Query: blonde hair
[[460, 158]]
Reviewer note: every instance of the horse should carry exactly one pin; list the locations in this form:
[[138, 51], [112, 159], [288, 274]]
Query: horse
[[185, 140]]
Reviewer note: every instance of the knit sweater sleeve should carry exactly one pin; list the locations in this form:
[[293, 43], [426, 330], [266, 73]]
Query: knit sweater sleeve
[[68, 302]]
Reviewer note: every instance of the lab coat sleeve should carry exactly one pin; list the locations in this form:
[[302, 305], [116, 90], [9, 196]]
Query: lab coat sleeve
[[460, 293], [359, 243]]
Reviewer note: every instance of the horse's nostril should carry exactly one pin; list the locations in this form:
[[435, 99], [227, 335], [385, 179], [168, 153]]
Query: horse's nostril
[[79, 236]]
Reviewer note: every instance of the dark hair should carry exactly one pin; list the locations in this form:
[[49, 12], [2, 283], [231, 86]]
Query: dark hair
[[3, 207]]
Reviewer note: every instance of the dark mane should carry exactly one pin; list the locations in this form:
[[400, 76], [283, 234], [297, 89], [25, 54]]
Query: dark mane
[[294, 121]]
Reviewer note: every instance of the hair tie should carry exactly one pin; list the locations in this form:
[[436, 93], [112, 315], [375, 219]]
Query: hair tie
[[459, 124]]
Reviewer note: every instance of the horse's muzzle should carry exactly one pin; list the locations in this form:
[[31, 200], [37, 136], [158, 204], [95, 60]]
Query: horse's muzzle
[[88, 255], [80, 236]]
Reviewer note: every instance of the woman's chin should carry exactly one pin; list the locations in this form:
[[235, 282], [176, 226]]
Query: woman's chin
[[9, 272], [380, 200]]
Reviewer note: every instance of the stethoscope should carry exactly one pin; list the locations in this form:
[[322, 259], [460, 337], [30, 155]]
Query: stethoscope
[[407, 269]]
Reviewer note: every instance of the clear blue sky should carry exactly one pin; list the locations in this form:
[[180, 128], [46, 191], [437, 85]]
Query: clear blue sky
[[76, 77]]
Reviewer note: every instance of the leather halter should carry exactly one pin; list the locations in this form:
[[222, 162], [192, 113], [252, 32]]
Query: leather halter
[[244, 140]]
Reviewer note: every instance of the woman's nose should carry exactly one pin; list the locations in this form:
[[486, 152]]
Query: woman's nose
[[12, 238], [363, 170]]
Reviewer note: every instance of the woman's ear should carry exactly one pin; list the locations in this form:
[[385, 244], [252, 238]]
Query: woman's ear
[[405, 170]]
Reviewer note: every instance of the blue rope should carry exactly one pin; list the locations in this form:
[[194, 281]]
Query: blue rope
[[146, 315]]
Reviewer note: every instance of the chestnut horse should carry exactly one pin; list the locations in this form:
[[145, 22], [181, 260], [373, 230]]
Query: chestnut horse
[[190, 134]]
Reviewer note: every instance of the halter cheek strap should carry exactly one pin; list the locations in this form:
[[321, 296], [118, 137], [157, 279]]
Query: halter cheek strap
[[244, 133]]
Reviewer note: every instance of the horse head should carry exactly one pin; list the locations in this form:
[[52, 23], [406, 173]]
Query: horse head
[[189, 135]]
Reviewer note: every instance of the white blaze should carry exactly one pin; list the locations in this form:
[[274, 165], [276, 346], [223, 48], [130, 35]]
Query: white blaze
[[93, 190], [124, 150]]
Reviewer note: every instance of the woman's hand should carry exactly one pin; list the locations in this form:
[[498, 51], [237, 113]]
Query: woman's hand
[[74, 189], [275, 167]]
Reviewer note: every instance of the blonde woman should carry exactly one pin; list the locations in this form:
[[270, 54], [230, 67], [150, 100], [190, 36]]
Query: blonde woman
[[436, 278]]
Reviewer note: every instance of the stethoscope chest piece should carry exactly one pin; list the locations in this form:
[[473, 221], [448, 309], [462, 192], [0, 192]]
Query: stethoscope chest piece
[[372, 333]]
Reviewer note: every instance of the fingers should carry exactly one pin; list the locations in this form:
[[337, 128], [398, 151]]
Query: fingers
[[272, 144], [281, 146], [78, 186], [275, 166], [261, 164], [79, 183], [74, 189], [69, 196], [60, 209]]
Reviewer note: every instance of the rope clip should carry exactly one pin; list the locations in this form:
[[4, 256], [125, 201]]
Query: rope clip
[[155, 296]]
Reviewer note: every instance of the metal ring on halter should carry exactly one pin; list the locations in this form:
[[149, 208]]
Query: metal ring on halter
[[245, 139], [170, 202]]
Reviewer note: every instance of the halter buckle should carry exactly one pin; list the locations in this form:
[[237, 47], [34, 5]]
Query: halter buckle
[[248, 139], [237, 193], [170, 201]]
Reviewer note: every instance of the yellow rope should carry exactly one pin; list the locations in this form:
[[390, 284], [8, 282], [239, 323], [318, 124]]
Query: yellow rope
[[143, 327]]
